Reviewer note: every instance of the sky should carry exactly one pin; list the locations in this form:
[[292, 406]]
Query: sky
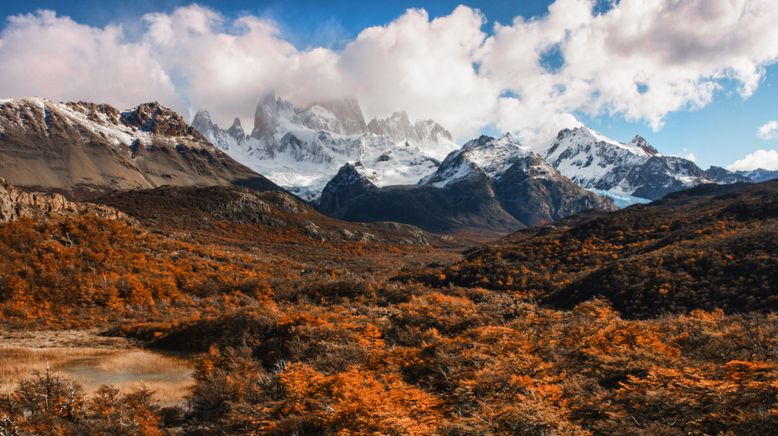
[[697, 78]]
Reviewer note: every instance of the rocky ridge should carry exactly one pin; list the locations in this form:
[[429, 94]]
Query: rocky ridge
[[84, 150], [633, 169], [16, 203], [301, 149], [490, 184]]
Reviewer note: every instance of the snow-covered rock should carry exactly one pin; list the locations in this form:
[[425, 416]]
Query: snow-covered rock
[[487, 154], [84, 149], [759, 175], [723, 176], [492, 184], [633, 169], [301, 149], [399, 128], [227, 138]]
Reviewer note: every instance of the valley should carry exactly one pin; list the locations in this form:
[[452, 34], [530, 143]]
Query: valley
[[496, 295], [509, 218], [398, 332]]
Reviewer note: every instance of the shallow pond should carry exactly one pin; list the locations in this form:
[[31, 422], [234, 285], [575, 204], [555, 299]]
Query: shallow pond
[[93, 361]]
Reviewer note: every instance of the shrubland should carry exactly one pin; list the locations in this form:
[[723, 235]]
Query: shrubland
[[653, 320]]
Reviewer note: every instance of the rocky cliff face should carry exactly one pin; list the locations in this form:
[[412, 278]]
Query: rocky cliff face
[[16, 203], [635, 168], [301, 149], [488, 185], [84, 150], [759, 175], [661, 175], [399, 127], [227, 138], [348, 113]]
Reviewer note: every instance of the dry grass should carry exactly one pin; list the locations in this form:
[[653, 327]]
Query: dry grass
[[61, 339], [92, 366]]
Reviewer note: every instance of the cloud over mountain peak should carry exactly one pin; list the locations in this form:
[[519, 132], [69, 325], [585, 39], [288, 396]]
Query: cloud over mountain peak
[[632, 60]]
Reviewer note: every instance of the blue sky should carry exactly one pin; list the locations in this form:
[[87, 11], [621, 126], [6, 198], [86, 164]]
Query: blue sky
[[305, 22], [720, 133]]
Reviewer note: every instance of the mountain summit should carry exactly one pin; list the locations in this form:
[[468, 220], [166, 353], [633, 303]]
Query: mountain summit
[[525, 185], [490, 184], [635, 168], [85, 149], [301, 149]]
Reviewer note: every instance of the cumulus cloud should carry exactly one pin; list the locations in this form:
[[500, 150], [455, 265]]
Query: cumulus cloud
[[55, 57], [634, 60], [765, 159], [425, 67], [768, 131], [686, 154], [226, 66]]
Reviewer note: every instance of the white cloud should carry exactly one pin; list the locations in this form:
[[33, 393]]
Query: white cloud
[[226, 66], [765, 159], [768, 131], [425, 67], [57, 58], [636, 60], [686, 154], [642, 59]]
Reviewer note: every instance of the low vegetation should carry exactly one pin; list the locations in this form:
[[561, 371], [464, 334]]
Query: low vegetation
[[711, 247], [50, 404], [468, 362], [305, 337]]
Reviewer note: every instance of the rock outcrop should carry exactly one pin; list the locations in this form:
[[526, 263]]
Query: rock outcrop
[[16, 203]]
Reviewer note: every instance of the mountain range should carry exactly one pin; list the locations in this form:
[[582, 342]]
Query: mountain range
[[387, 169], [633, 171], [301, 149], [85, 150], [490, 183]]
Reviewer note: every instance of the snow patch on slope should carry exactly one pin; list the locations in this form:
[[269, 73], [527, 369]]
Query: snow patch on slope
[[302, 149], [596, 162], [491, 156], [100, 120]]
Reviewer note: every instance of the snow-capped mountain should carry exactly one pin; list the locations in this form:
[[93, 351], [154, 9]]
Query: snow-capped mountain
[[633, 169], [466, 204], [490, 183], [526, 186], [347, 183], [487, 154], [227, 139], [86, 149], [399, 128], [759, 175], [301, 149], [723, 176]]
